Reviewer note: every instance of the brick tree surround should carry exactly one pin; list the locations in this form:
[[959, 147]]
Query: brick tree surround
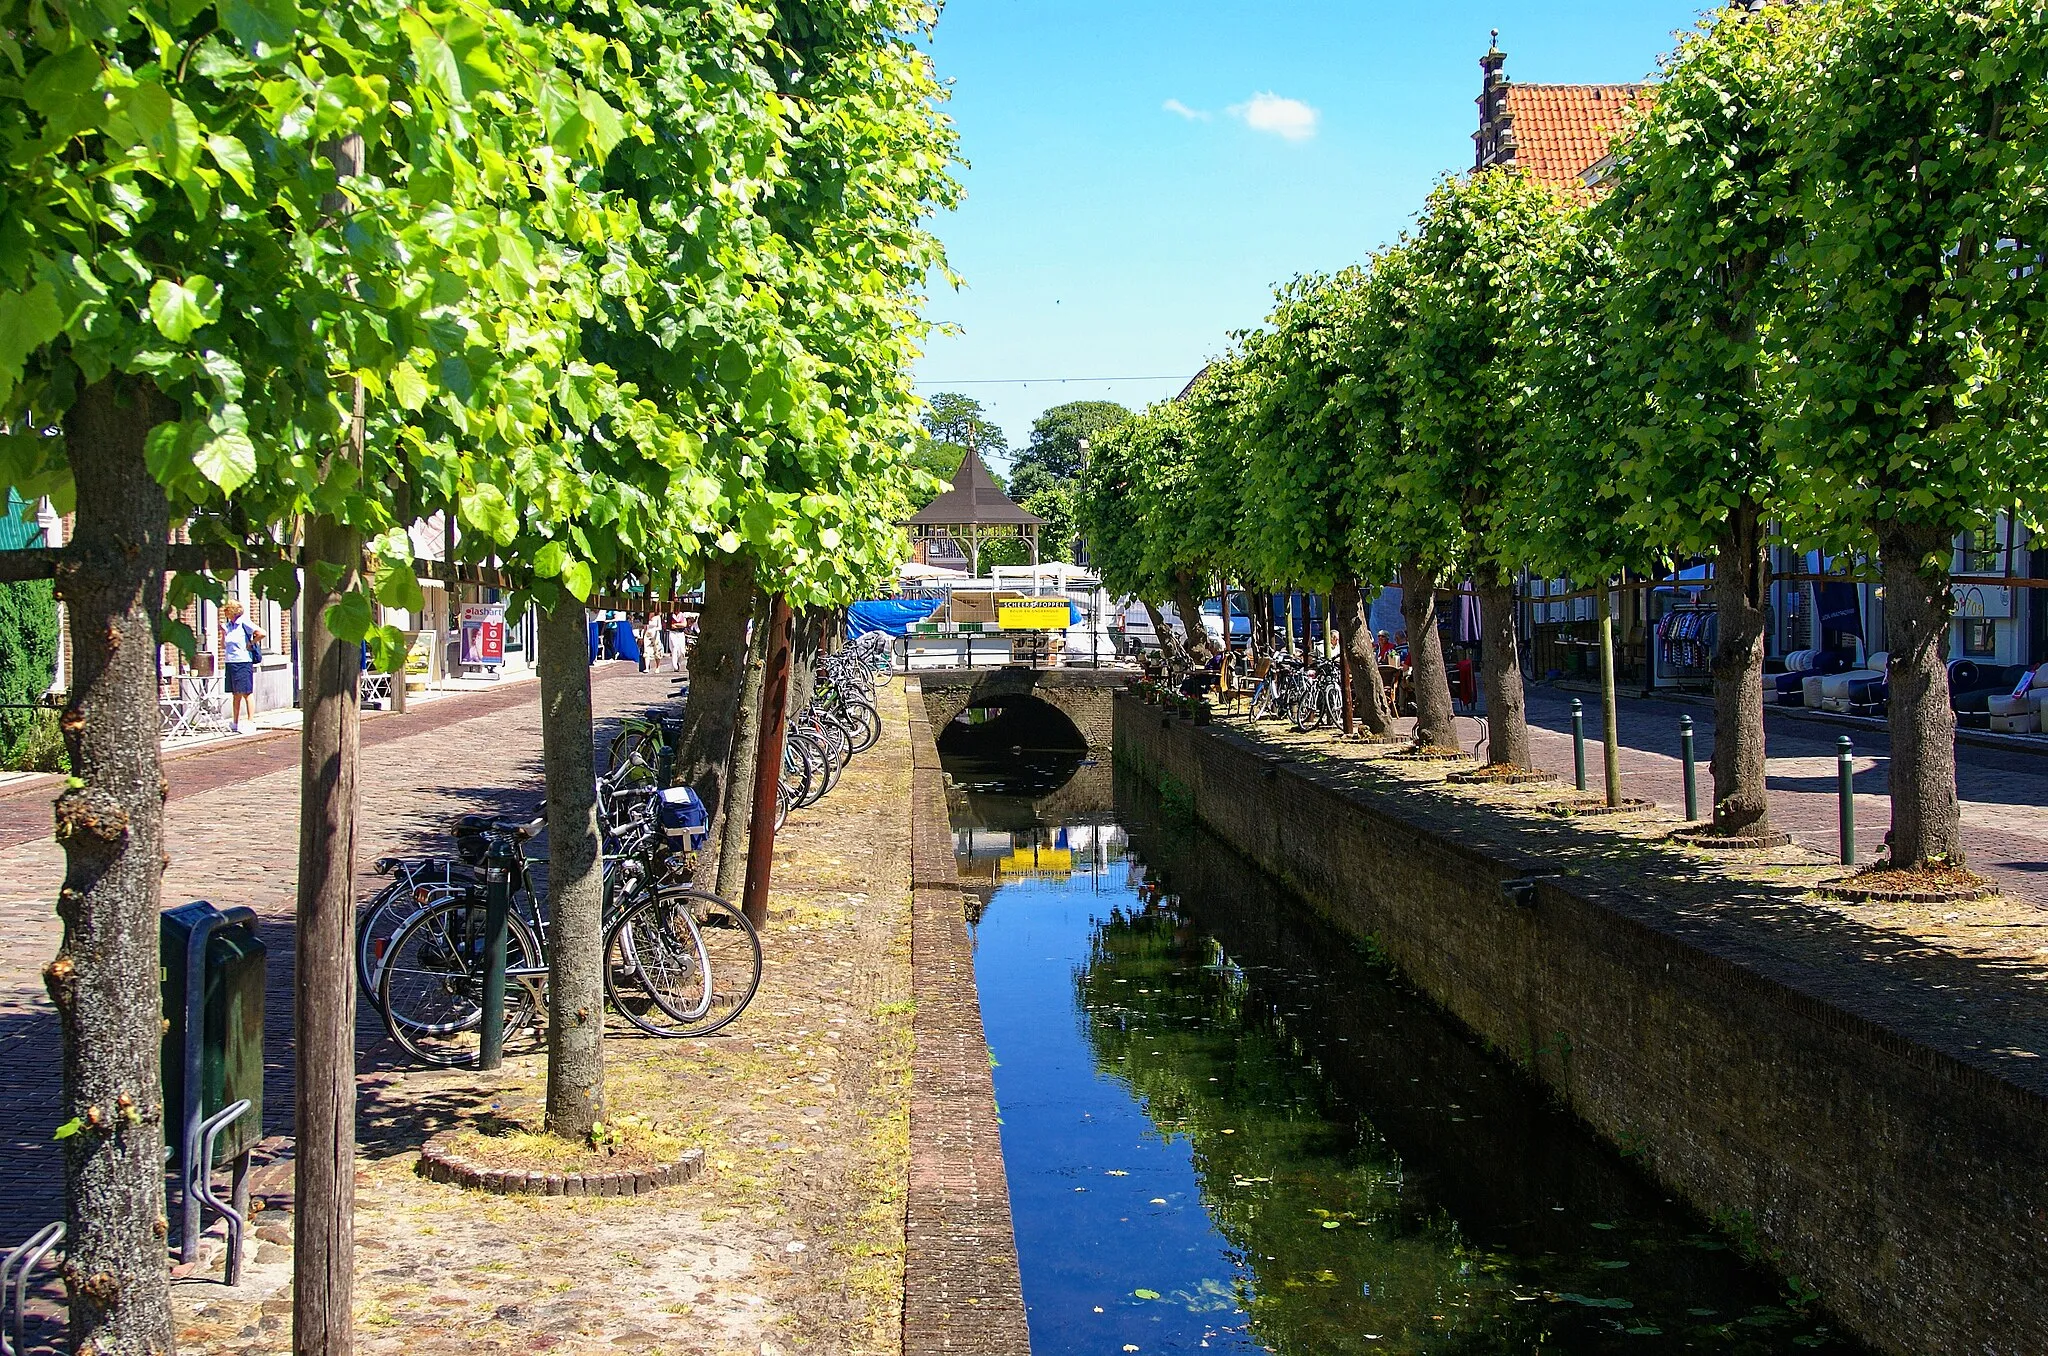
[[1775, 1089]]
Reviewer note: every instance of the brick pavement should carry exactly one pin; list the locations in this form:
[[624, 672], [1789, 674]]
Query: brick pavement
[[233, 839], [2004, 792]]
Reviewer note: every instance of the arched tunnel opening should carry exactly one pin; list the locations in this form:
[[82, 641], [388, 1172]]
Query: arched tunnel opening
[[1012, 745]]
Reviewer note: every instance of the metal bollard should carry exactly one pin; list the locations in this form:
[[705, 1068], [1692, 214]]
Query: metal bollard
[[1692, 785], [1578, 743], [1845, 781], [497, 925]]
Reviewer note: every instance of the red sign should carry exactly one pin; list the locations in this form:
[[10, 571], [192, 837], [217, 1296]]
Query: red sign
[[483, 634]]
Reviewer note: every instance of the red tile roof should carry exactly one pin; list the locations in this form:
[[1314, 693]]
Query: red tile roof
[[1561, 131]]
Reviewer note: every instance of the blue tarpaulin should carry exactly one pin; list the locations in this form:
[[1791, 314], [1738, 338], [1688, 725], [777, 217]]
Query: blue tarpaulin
[[891, 615], [625, 645]]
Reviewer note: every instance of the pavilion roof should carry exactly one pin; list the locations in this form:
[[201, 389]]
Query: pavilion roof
[[974, 501]]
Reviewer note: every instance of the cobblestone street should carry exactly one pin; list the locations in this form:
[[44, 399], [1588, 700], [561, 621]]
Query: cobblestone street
[[793, 1233], [2004, 792]]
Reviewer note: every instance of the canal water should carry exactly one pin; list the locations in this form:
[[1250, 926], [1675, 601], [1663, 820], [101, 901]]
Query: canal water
[[1228, 1128]]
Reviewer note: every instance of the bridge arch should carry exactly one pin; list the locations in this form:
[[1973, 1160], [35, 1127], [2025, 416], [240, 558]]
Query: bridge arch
[[1082, 696]]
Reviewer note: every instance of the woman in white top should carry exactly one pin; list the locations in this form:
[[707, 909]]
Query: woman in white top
[[239, 641]]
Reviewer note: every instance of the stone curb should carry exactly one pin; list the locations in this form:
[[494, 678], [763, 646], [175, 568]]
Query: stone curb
[[1850, 894], [1481, 777], [1710, 841], [962, 1292], [439, 1163]]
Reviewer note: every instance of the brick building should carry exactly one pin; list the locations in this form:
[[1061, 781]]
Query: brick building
[[1558, 134]]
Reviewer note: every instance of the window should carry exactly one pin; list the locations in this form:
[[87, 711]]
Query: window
[[1980, 553], [1980, 636]]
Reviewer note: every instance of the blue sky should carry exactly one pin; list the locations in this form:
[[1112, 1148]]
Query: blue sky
[[1108, 235]]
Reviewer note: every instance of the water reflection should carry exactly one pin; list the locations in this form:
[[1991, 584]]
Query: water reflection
[[1227, 1128]]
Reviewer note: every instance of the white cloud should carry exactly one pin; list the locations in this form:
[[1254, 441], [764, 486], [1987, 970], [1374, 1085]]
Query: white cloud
[[1179, 109], [1290, 119]]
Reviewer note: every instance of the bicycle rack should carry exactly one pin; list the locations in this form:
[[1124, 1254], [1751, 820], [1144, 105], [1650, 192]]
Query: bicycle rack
[[200, 1183], [16, 1269]]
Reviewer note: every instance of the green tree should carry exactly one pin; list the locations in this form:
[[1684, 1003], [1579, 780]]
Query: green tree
[[1701, 312], [1300, 444], [951, 424], [1395, 537], [1462, 388], [1911, 381], [1054, 450]]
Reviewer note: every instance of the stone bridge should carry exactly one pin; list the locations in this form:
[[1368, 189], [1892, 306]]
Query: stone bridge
[[1081, 695]]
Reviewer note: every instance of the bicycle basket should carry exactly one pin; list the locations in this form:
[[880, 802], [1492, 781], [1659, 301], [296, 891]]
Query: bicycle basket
[[684, 821]]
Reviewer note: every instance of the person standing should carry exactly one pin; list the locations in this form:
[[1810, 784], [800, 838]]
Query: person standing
[[240, 646], [673, 638]]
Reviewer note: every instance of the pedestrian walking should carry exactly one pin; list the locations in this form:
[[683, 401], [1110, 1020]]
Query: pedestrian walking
[[241, 645], [674, 639]]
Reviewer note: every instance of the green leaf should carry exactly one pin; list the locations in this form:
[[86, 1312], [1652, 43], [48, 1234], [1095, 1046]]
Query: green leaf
[[349, 617], [69, 1128], [233, 158], [228, 460], [549, 560], [486, 510], [260, 24], [398, 585], [409, 386], [576, 577], [1146, 1294], [180, 308], [28, 320]]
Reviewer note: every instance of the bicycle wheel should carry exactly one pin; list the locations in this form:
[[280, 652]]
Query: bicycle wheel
[[390, 909], [800, 767], [682, 963], [864, 723], [432, 985]]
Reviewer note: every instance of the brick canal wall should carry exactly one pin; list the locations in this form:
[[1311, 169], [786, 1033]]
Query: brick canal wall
[[1909, 1188], [961, 1291]]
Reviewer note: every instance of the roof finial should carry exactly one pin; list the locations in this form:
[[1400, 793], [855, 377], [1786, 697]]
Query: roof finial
[[1495, 44]]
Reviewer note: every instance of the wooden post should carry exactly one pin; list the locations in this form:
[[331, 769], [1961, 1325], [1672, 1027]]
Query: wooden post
[[324, 1163], [1610, 739], [768, 765]]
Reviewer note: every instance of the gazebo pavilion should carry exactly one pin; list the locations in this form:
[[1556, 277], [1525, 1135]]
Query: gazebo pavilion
[[974, 511]]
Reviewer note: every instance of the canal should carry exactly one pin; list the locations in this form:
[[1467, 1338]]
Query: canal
[[1228, 1128]]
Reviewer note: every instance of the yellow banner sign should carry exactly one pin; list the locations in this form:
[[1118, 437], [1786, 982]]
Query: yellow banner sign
[[1033, 614]]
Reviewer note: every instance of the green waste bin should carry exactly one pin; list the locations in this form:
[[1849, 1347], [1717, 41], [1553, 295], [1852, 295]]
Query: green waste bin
[[213, 972]]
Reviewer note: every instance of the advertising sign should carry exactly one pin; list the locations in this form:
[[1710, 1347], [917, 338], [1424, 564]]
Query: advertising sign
[[1983, 600], [483, 634], [1033, 614], [419, 654]]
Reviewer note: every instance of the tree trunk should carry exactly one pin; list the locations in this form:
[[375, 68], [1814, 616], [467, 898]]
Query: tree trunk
[[1435, 726], [324, 1030], [728, 868], [1507, 714], [806, 640], [1286, 637], [103, 981], [575, 1099], [1742, 806], [1354, 627], [1918, 607], [716, 661], [1190, 610], [1169, 644]]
